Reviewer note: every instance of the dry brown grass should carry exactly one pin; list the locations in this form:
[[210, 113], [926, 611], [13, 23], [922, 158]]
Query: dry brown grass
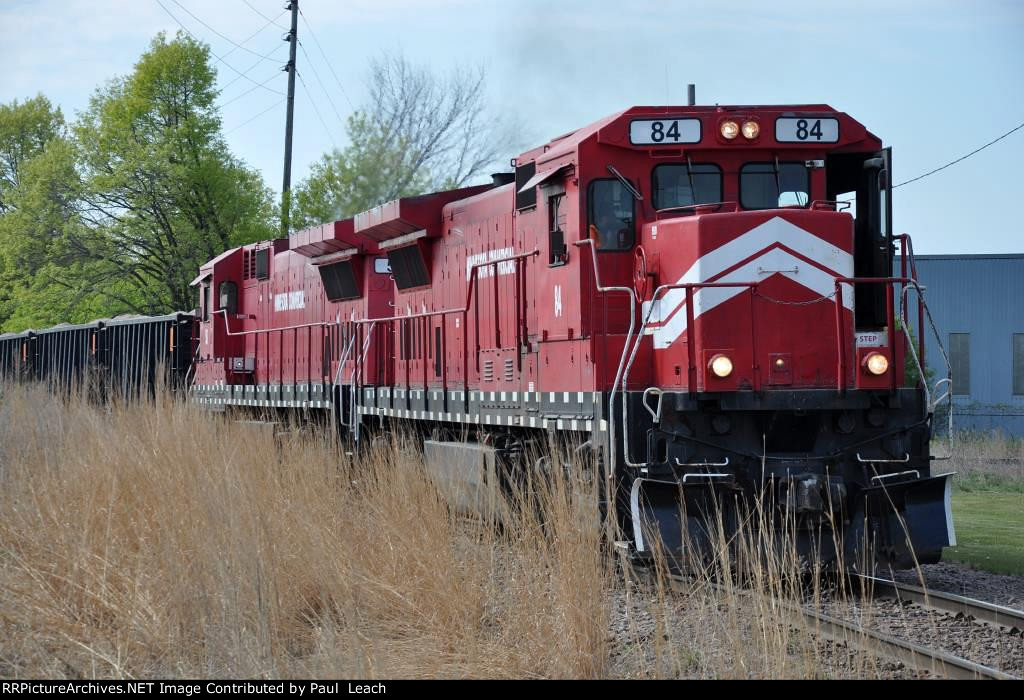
[[983, 461], [158, 540]]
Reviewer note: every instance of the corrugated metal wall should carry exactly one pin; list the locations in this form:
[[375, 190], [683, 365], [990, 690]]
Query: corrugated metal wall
[[982, 296]]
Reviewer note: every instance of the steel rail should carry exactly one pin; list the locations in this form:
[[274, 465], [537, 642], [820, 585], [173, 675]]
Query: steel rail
[[979, 610], [914, 655]]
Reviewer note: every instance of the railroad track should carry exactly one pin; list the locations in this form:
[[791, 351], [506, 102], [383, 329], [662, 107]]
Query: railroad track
[[914, 655], [979, 610]]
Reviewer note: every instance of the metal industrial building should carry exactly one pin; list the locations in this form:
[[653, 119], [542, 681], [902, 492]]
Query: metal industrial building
[[977, 302]]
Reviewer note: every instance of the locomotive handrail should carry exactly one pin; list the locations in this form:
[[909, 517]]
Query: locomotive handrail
[[907, 258], [357, 382], [948, 379], [655, 412], [889, 317], [469, 295], [705, 463], [829, 205], [691, 351], [344, 359], [233, 334], [715, 207], [619, 376], [341, 365], [908, 284], [472, 283]]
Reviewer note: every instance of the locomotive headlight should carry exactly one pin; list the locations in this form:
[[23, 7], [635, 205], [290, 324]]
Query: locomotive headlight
[[730, 129], [876, 363], [751, 130], [721, 366]]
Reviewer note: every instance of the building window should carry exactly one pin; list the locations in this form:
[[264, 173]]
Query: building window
[[1018, 364], [960, 362]]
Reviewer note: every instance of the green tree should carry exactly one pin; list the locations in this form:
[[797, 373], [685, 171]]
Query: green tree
[[117, 215], [33, 193], [25, 130], [161, 192]]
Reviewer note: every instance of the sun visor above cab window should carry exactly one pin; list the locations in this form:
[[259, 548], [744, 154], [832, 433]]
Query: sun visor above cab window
[[544, 176], [208, 267]]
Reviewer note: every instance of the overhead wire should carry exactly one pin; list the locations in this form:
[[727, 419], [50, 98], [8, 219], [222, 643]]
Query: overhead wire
[[315, 108], [243, 74], [316, 41], [250, 90], [215, 55], [273, 21], [222, 36], [961, 158], [255, 117], [323, 87]]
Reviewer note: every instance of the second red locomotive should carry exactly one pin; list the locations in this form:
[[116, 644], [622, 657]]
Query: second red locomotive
[[701, 299]]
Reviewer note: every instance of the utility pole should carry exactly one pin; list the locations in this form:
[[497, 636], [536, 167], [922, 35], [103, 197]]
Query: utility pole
[[293, 40]]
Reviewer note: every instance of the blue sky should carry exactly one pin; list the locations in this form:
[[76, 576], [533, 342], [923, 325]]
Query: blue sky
[[934, 79]]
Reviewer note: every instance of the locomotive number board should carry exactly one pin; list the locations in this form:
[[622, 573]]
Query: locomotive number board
[[806, 130], [646, 132]]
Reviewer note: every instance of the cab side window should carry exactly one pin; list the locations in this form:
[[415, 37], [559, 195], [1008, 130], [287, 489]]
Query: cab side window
[[557, 252], [228, 292], [610, 215], [204, 301]]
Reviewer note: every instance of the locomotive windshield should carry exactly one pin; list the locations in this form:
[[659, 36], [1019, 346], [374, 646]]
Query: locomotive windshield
[[611, 215], [773, 185], [683, 185]]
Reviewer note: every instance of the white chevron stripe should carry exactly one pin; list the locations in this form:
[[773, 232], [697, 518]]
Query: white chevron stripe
[[771, 232], [773, 261]]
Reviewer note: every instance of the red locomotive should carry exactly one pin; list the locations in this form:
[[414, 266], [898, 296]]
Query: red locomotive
[[700, 298]]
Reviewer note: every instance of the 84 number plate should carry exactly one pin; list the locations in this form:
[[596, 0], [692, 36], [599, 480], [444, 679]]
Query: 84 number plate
[[659, 132], [806, 130]]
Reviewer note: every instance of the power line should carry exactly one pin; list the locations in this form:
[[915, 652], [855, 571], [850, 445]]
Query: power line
[[252, 89], [247, 39], [272, 21], [341, 87], [315, 109], [191, 34], [258, 61], [222, 36], [254, 118], [322, 86], [250, 69], [954, 162]]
